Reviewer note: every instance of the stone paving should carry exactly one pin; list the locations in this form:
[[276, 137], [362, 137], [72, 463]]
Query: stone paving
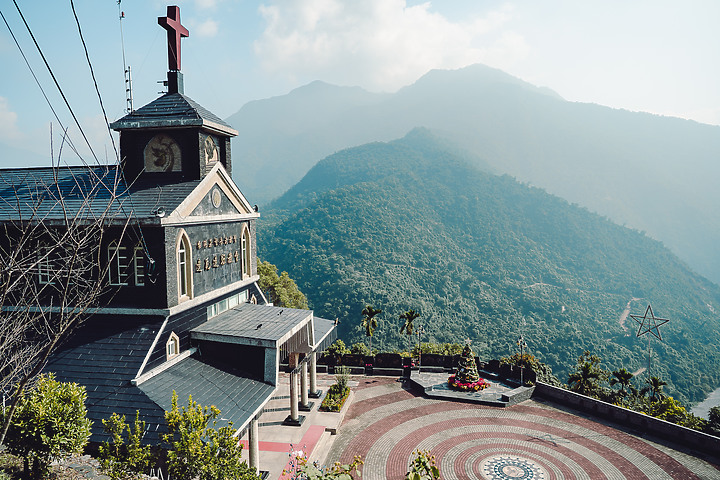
[[532, 440]]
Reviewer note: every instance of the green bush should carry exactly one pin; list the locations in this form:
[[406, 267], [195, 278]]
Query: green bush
[[50, 421], [198, 449], [360, 349], [338, 392], [124, 461], [423, 467]]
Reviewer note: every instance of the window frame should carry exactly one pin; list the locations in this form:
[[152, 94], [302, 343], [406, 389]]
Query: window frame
[[174, 343], [245, 252], [183, 257], [117, 271], [139, 266], [44, 266]]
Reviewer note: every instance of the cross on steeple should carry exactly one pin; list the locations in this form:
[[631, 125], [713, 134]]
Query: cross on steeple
[[175, 31]]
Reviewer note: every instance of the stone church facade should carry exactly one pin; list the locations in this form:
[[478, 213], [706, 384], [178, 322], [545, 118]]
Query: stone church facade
[[186, 313]]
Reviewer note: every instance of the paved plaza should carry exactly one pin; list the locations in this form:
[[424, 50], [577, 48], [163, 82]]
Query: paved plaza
[[534, 440]]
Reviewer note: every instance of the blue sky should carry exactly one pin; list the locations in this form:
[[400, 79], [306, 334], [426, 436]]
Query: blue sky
[[644, 55]]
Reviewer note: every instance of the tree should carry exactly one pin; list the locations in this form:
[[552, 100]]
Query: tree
[[713, 425], [198, 449], [408, 327], [654, 387], [119, 460], [587, 376], [51, 245], [369, 322], [50, 421], [281, 290], [621, 377]]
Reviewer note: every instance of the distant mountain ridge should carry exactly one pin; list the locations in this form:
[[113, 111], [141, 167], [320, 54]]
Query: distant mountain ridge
[[409, 224], [653, 173]]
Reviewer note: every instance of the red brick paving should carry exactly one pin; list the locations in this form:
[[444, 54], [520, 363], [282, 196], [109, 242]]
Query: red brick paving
[[484, 443]]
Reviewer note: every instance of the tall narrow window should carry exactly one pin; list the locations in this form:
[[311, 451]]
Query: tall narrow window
[[45, 272], [139, 265], [245, 252], [119, 263], [184, 271]]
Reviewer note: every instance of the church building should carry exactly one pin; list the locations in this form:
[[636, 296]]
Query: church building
[[179, 255]]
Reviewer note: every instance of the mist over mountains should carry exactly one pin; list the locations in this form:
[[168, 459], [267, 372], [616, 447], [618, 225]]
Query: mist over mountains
[[413, 224], [652, 173]]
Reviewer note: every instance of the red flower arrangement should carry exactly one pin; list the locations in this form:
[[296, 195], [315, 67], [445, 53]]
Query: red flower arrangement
[[481, 384]]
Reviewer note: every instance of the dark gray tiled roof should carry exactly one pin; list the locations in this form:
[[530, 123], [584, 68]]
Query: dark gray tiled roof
[[253, 324], [237, 397], [324, 332], [173, 110], [92, 191], [104, 358]]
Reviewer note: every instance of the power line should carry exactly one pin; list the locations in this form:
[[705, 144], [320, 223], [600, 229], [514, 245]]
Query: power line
[[97, 89], [57, 84]]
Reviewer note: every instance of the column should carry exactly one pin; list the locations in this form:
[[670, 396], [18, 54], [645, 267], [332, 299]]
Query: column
[[293, 388], [254, 445], [304, 387], [314, 392]]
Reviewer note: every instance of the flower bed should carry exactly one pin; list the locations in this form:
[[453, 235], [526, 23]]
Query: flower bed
[[481, 384], [334, 399]]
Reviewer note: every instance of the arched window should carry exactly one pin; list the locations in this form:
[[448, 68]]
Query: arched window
[[118, 264], [184, 262], [245, 252], [172, 347]]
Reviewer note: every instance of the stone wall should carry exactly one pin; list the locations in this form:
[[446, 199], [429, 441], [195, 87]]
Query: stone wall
[[631, 419]]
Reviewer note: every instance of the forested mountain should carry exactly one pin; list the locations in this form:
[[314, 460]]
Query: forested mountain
[[410, 225], [653, 173]]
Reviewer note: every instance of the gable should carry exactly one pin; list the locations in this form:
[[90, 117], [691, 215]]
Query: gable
[[216, 198]]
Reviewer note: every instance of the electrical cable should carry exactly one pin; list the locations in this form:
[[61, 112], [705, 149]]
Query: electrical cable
[[97, 89], [57, 84]]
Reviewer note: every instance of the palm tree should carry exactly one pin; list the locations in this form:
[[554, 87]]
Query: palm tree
[[407, 328], [586, 379], [621, 377], [369, 323], [655, 388]]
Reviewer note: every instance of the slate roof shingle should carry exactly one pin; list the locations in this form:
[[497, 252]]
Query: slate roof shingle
[[173, 110]]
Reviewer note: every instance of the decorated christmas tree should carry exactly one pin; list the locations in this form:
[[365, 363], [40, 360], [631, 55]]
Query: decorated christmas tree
[[467, 368], [467, 377]]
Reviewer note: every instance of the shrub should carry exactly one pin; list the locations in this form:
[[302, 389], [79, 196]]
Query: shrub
[[423, 467], [124, 461], [198, 449], [360, 349], [50, 421]]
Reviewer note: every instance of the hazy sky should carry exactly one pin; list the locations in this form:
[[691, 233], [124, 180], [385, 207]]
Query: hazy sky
[[646, 55]]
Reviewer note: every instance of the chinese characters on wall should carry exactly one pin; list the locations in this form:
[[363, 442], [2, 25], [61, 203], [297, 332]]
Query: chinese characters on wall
[[216, 260]]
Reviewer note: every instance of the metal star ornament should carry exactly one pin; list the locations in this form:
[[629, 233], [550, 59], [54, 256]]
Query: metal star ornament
[[649, 323]]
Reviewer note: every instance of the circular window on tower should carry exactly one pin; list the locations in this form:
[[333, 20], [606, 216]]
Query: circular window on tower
[[216, 197]]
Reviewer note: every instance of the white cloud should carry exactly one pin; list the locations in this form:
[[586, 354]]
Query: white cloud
[[208, 28], [379, 44], [8, 120]]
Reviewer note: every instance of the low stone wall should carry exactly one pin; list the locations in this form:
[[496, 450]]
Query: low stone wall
[[629, 418]]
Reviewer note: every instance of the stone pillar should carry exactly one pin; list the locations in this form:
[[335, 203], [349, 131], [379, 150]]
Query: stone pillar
[[293, 388], [304, 387], [254, 445], [314, 392]]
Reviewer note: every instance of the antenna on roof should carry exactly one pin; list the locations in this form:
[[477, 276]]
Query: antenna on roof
[[126, 68]]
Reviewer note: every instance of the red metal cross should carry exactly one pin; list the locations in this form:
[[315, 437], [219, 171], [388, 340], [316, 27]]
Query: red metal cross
[[175, 32]]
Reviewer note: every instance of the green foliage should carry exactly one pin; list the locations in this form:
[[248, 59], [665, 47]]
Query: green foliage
[[438, 348], [667, 408], [119, 460], [588, 376], [338, 392], [200, 450], [713, 424], [369, 322], [360, 349], [50, 421], [337, 349], [478, 255], [423, 467], [281, 289], [654, 388], [302, 469], [543, 372]]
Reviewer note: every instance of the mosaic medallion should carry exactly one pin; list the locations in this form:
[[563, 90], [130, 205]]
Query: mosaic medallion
[[511, 468]]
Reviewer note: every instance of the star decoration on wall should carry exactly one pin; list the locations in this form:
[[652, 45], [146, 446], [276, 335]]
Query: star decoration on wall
[[649, 323]]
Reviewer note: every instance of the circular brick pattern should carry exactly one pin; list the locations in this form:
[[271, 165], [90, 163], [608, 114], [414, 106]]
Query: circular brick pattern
[[511, 468], [530, 441]]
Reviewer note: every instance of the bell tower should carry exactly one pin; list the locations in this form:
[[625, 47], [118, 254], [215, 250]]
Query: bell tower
[[173, 138]]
